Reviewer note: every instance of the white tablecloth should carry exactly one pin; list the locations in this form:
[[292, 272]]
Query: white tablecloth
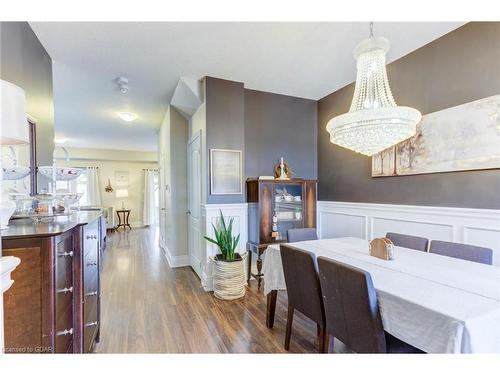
[[435, 303]]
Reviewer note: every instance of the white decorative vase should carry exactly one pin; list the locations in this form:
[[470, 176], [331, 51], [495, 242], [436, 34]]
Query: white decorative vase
[[230, 278], [7, 208]]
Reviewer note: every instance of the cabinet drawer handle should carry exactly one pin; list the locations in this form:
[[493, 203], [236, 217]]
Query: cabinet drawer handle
[[91, 324], [91, 294], [66, 254], [65, 332], [66, 290], [91, 263]]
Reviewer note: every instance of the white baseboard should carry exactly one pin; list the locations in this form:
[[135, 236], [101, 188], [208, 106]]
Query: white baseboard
[[369, 220], [174, 261]]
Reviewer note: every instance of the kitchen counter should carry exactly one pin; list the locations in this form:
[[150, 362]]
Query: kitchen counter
[[53, 306], [26, 228]]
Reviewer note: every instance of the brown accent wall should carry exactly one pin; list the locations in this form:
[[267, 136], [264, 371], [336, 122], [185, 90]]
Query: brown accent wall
[[280, 125], [225, 124], [457, 68]]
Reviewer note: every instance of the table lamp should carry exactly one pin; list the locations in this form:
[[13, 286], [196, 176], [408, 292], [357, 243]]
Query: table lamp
[[13, 131], [122, 193]]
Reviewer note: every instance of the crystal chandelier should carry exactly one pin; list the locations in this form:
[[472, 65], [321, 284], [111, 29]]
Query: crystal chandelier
[[374, 121]]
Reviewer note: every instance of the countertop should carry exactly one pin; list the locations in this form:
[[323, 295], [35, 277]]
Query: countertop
[[25, 228]]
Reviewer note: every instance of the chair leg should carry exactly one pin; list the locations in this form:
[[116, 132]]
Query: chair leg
[[327, 342], [321, 339], [289, 321], [330, 340]]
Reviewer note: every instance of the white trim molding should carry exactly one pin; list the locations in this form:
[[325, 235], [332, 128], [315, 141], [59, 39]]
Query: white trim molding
[[209, 215], [174, 261], [369, 220]]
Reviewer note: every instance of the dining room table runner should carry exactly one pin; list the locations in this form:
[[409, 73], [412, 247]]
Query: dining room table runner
[[438, 304]]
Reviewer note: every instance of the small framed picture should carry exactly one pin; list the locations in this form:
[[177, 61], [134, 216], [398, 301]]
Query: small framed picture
[[121, 178], [226, 172]]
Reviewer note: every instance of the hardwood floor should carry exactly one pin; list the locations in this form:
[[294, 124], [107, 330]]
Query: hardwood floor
[[147, 307]]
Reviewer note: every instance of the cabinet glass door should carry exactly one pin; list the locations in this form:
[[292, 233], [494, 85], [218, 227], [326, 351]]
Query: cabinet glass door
[[287, 209]]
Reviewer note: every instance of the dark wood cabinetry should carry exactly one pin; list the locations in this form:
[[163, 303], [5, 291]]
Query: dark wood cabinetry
[[274, 207], [53, 305], [91, 300]]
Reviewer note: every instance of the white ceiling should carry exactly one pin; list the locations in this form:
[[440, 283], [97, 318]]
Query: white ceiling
[[307, 60]]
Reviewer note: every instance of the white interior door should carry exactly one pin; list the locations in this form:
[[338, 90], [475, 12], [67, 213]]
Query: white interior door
[[194, 203]]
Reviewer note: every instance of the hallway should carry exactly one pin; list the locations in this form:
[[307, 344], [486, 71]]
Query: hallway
[[147, 307]]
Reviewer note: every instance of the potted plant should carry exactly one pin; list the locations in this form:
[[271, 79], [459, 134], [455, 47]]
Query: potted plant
[[229, 271]]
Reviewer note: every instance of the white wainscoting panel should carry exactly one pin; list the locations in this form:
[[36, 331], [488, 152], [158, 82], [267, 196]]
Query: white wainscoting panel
[[379, 226], [471, 226], [210, 214], [347, 225]]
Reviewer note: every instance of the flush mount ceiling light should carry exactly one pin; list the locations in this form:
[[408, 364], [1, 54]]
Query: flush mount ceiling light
[[122, 83], [127, 116], [374, 121]]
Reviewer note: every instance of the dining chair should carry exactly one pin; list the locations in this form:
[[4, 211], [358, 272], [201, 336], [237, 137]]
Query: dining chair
[[351, 310], [303, 289], [458, 250], [301, 234], [410, 242]]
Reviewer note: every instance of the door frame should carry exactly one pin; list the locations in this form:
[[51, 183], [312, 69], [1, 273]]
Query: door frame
[[194, 137]]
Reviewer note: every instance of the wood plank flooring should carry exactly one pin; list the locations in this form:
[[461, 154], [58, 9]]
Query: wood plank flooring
[[147, 307]]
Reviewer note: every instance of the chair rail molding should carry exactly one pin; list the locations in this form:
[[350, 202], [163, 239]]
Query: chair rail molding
[[472, 226], [7, 265], [209, 216]]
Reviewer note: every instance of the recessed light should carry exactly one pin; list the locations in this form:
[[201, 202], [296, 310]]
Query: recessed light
[[127, 116]]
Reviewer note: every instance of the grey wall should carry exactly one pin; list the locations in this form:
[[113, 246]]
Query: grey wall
[[224, 125], [457, 68], [25, 63], [178, 175], [280, 125]]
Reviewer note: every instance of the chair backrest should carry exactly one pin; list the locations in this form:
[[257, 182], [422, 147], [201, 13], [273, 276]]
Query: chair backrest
[[410, 242], [351, 306], [458, 250], [301, 234], [302, 282]]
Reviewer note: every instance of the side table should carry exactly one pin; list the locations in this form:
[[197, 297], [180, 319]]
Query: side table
[[123, 216]]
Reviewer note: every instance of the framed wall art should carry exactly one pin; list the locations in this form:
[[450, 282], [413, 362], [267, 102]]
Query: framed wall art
[[461, 138], [226, 172], [121, 178]]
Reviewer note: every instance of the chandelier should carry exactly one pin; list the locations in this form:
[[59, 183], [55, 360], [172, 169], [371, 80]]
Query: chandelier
[[374, 121]]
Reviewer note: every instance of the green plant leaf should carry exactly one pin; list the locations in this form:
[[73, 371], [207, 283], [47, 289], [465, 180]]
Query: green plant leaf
[[211, 240]]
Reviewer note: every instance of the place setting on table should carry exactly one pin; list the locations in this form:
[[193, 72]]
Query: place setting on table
[[437, 298]]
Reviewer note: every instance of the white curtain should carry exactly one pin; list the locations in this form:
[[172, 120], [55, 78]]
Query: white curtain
[[93, 188], [148, 214]]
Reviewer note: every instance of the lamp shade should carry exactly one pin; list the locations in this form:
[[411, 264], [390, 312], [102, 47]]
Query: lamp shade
[[121, 193], [13, 121]]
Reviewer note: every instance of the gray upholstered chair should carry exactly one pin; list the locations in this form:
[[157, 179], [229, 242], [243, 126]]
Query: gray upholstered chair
[[301, 234], [410, 242], [303, 289], [458, 250], [351, 310]]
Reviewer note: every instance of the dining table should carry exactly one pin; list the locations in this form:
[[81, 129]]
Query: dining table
[[435, 303]]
